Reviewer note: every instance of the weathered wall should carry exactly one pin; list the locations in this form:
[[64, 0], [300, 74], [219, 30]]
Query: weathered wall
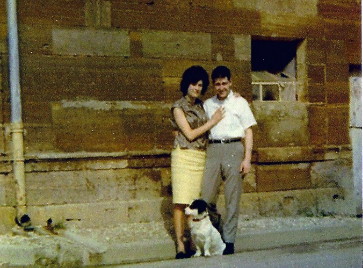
[[98, 78]]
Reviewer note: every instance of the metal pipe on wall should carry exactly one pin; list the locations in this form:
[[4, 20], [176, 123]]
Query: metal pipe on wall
[[16, 109]]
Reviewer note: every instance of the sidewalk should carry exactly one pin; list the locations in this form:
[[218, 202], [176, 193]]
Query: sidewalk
[[133, 243]]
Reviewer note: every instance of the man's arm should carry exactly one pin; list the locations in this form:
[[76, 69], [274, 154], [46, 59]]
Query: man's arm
[[246, 163]]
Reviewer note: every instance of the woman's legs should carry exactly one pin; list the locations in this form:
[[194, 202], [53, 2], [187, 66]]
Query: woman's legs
[[179, 226]]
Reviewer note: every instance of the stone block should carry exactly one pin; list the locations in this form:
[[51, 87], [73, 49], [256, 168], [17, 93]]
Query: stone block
[[245, 4], [292, 26], [146, 210], [270, 204], [38, 138], [7, 190], [288, 203], [91, 42], [223, 47], [340, 10], [148, 185], [300, 8], [249, 205], [3, 41], [141, 15], [87, 129], [8, 215], [342, 29], [284, 154], [249, 181], [242, 47], [334, 201], [73, 162], [166, 190], [174, 68], [332, 174], [337, 72], [172, 88], [306, 8], [317, 93], [281, 124], [98, 13], [336, 52], [338, 125], [69, 13], [318, 124], [202, 19], [354, 51], [35, 39], [278, 8], [332, 152], [338, 92], [316, 74], [3, 141], [149, 161], [163, 135], [118, 126], [89, 78], [283, 177], [163, 44], [316, 51], [101, 214], [135, 44], [65, 187], [90, 214]]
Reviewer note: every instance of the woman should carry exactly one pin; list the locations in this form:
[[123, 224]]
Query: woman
[[188, 156]]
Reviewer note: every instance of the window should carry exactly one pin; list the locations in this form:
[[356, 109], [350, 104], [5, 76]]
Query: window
[[273, 65]]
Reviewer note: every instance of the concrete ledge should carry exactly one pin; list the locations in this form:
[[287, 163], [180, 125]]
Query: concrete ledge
[[140, 252], [266, 239], [144, 242]]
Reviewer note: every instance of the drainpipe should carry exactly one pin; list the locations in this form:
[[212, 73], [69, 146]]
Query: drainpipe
[[16, 117]]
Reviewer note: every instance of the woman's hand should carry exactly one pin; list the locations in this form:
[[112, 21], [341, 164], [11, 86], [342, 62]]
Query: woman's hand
[[218, 115]]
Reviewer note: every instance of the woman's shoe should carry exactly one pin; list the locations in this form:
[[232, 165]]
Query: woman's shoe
[[181, 255]]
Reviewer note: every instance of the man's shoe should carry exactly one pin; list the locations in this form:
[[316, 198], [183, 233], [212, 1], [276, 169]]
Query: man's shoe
[[229, 249]]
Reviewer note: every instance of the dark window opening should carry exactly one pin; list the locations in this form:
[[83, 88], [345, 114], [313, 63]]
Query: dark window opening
[[273, 65]]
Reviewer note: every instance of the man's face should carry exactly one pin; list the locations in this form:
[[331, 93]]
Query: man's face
[[222, 87]]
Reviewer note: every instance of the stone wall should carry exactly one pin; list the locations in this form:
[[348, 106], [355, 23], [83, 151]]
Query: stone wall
[[98, 78]]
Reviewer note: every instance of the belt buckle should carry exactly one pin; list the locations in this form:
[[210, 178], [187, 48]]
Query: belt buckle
[[223, 141]]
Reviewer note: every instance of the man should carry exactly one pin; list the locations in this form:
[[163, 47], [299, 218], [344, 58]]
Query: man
[[228, 159]]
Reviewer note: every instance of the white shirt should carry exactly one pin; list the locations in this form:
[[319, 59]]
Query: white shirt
[[238, 117]]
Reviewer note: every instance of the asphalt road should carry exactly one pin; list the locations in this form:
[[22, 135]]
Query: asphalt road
[[338, 254]]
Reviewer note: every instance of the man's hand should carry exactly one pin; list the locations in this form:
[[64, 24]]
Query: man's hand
[[245, 167]]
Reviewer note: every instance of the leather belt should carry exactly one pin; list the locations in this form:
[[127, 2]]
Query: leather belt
[[225, 140]]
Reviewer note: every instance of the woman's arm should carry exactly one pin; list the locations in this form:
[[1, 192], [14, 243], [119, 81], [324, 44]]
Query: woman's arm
[[190, 133]]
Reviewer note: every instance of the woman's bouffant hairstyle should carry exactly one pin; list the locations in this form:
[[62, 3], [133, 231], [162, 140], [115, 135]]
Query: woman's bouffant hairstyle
[[191, 76]]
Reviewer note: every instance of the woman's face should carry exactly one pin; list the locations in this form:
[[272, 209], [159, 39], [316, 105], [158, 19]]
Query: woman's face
[[195, 89]]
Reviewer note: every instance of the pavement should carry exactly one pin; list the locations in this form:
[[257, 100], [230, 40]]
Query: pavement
[[332, 254], [127, 244]]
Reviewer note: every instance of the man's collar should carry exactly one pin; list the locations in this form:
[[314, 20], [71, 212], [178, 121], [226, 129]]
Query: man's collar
[[228, 97]]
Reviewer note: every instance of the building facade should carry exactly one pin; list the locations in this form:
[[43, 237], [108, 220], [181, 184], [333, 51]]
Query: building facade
[[98, 78]]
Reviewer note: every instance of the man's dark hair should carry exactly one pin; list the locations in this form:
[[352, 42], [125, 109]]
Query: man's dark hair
[[192, 75], [221, 72]]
